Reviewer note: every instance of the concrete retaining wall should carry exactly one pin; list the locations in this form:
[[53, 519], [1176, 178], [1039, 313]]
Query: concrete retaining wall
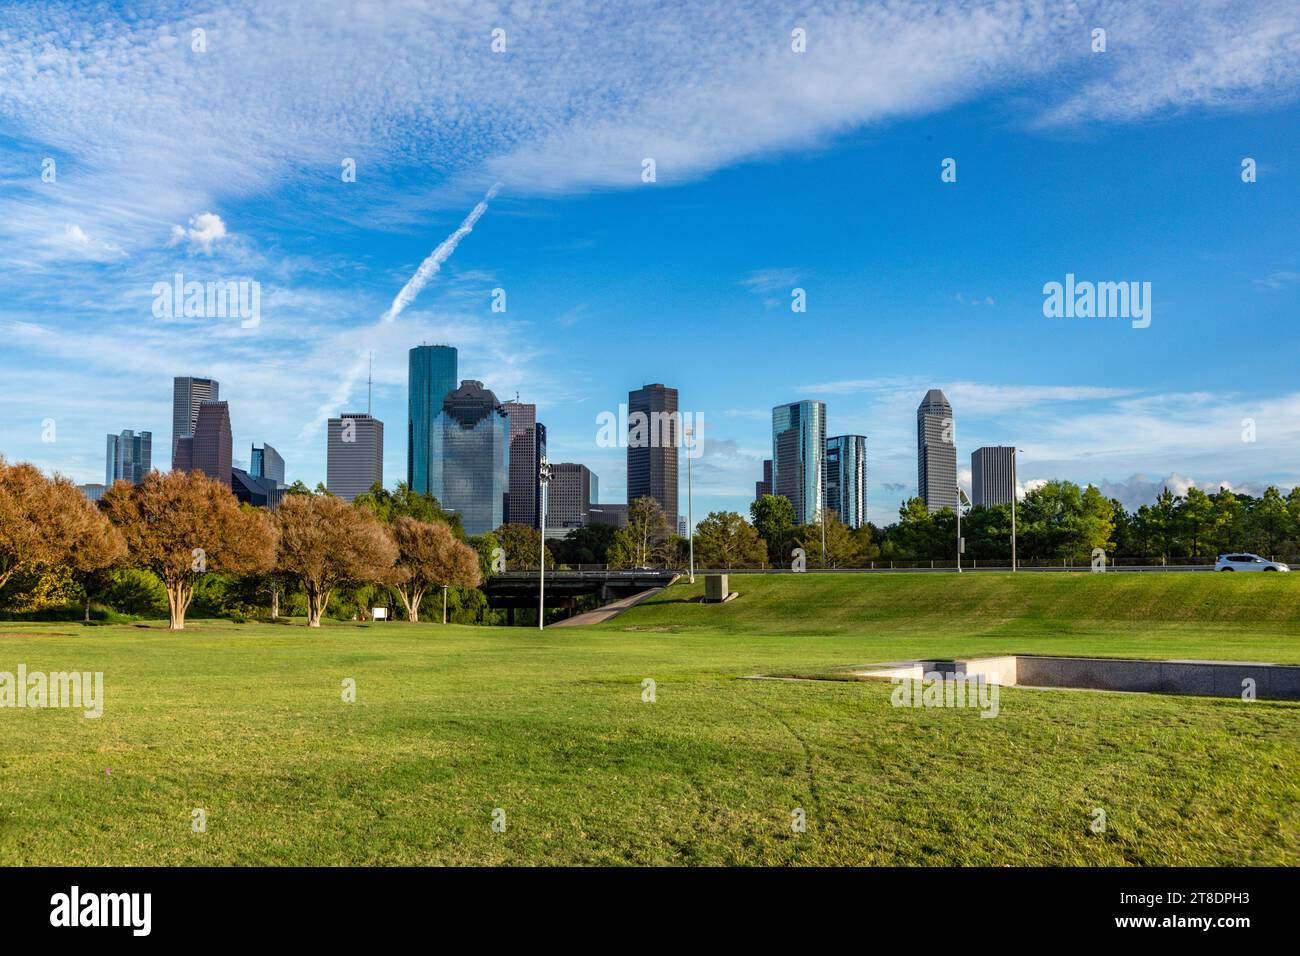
[[1200, 678], [1197, 678]]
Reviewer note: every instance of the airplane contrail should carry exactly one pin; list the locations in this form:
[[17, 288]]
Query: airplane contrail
[[433, 262], [423, 275]]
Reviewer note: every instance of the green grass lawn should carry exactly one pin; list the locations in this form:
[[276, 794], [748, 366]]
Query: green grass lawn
[[247, 723]]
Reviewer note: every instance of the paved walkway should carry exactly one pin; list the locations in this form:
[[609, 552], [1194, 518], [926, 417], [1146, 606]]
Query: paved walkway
[[603, 614]]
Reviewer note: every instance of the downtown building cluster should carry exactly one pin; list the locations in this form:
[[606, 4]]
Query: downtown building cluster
[[479, 456], [822, 474], [482, 457]]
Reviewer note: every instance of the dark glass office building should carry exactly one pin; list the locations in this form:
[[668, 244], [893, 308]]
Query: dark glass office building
[[846, 478], [471, 444], [653, 437], [799, 457], [431, 374], [129, 457], [267, 463]]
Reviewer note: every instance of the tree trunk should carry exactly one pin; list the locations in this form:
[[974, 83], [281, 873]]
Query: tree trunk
[[176, 606], [316, 603], [417, 595], [86, 619], [275, 603]]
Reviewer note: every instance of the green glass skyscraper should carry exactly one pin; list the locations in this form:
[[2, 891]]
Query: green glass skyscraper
[[431, 375]]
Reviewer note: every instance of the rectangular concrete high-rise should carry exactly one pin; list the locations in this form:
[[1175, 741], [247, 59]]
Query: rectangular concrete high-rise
[[188, 393], [354, 454], [936, 452], [211, 444], [129, 457], [799, 457], [568, 498], [654, 434], [992, 475], [764, 486], [527, 447]]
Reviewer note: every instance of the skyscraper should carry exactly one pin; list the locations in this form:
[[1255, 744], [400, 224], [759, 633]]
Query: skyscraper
[[265, 462], [471, 440], [526, 451], [431, 374], [653, 436], [764, 487], [936, 452], [129, 457], [799, 457], [211, 445], [992, 475], [569, 497], [354, 454], [188, 394], [846, 478]]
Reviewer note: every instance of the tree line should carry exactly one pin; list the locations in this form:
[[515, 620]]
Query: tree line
[[175, 539], [187, 532]]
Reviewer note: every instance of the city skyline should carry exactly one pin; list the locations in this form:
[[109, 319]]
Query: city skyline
[[1123, 170]]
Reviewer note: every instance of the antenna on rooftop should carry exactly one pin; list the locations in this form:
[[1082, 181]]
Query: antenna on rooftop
[[370, 383]]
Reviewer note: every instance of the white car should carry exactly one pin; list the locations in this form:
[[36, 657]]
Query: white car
[[1247, 562]]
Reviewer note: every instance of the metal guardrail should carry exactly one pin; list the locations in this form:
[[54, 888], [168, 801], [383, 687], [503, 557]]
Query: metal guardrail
[[936, 567]]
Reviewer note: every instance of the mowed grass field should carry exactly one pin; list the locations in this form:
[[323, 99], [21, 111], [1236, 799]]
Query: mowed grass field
[[247, 723]]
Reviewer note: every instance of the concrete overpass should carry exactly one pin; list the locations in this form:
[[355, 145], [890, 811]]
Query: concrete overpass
[[512, 589]]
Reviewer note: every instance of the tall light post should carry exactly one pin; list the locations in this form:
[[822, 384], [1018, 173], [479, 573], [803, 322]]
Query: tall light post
[[1015, 484], [961, 545], [690, 503], [444, 604], [544, 477], [823, 504]]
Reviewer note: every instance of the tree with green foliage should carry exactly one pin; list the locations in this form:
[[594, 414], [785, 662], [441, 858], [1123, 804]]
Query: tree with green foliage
[[1195, 520], [403, 502], [725, 540], [841, 548], [773, 518], [643, 542], [586, 545], [522, 545], [1270, 522]]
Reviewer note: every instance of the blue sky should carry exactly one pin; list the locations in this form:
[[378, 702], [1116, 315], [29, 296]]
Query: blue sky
[[775, 170]]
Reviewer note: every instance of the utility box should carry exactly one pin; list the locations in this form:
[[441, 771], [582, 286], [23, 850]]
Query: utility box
[[716, 590]]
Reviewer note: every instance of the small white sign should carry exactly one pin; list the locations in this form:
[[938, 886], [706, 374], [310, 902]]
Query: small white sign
[[379, 613]]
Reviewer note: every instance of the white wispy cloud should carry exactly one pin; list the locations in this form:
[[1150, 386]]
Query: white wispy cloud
[[146, 131]]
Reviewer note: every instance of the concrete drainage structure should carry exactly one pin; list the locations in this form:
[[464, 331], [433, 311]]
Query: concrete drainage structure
[[1198, 678]]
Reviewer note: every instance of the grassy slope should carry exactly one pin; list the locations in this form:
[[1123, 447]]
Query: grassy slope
[[1233, 617], [246, 722]]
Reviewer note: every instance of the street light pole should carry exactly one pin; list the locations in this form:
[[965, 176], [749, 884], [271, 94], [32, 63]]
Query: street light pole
[[959, 497], [444, 604], [690, 504], [544, 477], [1014, 485]]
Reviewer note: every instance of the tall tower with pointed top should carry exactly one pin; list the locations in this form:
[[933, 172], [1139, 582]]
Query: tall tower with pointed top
[[936, 452]]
